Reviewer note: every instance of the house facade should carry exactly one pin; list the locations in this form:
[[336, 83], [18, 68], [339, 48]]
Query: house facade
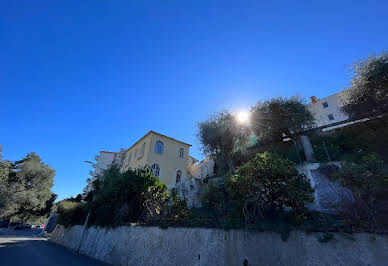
[[166, 157], [327, 111]]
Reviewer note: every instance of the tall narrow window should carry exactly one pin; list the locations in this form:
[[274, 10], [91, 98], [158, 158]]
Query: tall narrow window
[[181, 152], [158, 147], [135, 154], [142, 150], [178, 176], [155, 169]]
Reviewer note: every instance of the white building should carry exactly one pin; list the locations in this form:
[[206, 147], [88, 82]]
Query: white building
[[327, 111], [103, 161]]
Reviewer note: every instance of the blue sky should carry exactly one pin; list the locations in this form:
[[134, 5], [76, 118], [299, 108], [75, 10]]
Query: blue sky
[[77, 77]]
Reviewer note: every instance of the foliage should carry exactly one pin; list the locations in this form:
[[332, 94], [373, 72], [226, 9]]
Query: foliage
[[213, 200], [364, 177], [25, 189], [271, 118], [178, 213], [368, 94], [353, 141], [127, 197], [269, 183], [368, 181], [220, 134], [71, 212]]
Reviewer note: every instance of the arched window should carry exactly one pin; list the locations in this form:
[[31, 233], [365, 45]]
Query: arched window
[[178, 176], [142, 150], [159, 147], [181, 152], [155, 169]]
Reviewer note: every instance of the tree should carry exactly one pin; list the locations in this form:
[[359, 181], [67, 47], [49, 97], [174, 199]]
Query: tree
[[219, 135], [268, 183], [26, 190], [271, 118], [368, 93], [127, 197], [5, 169]]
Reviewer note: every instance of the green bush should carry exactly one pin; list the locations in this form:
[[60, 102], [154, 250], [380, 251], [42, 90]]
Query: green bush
[[178, 213], [213, 201], [353, 141], [71, 212], [128, 197], [364, 177], [368, 181], [268, 183]]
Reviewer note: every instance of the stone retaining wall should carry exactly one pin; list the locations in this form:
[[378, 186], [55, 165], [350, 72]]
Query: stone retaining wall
[[136, 245]]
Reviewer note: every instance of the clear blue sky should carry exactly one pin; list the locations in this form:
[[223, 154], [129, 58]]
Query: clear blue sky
[[77, 77]]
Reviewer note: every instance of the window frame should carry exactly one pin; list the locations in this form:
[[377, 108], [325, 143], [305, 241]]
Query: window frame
[[142, 150], [181, 153], [330, 117], [325, 104], [159, 147], [178, 180], [155, 170]]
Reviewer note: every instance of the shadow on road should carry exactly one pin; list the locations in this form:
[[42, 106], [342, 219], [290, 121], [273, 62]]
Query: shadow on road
[[26, 248]]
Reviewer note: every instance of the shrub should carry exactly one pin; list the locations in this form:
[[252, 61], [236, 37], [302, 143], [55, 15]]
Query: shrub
[[269, 183], [128, 197], [213, 200], [71, 212], [364, 177], [178, 213]]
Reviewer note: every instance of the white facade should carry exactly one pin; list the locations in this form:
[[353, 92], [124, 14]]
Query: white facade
[[103, 162], [327, 111], [203, 169]]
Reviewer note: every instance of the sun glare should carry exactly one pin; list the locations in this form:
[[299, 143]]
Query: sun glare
[[242, 117]]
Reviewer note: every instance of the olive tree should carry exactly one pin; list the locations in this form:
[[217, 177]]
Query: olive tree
[[368, 93], [219, 135], [271, 118]]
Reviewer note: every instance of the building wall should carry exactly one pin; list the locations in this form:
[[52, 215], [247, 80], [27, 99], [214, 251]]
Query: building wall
[[103, 162], [139, 160], [202, 169], [322, 113], [169, 161]]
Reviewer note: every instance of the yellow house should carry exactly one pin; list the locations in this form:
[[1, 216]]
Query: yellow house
[[167, 157]]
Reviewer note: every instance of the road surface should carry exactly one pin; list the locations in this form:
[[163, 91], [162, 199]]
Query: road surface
[[26, 248]]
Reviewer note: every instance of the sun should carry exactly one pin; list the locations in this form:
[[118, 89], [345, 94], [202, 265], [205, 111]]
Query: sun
[[242, 117]]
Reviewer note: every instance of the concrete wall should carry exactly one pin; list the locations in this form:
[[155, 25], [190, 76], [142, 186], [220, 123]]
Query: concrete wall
[[193, 246]]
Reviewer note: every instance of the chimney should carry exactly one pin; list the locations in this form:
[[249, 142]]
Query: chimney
[[313, 99]]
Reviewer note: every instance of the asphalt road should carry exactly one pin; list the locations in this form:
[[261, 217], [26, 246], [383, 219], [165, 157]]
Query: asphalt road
[[26, 248]]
